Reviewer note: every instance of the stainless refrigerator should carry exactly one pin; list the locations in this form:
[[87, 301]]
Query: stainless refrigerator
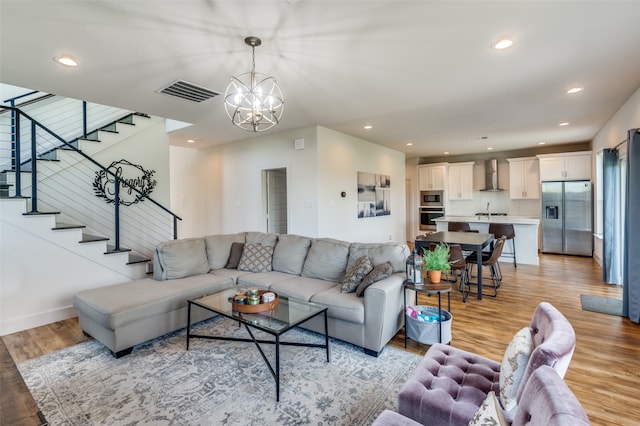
[[567, 224]]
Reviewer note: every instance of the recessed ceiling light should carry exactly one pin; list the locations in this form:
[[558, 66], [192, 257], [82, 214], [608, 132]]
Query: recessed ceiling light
[[565, 123], [503, 43], [190, 141], [446, 153], [409, 143], [368, 126], [489, 148], [541, 143], [66, 60], [575, 90]]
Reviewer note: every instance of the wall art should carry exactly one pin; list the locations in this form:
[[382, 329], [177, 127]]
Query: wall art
[[374, 195], [130, 175]]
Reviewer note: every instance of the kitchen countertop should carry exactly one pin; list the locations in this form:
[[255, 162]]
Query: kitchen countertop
[[515, 220]]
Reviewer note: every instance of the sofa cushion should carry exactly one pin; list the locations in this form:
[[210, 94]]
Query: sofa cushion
[[326, 260], [378, 273], [489, 413], [256, 258], [356, 274], [266, 239], [301, 288], [448, 386], [347, 307], [264, 280], [118, 305], [379, 253], [219, 247], [514, 363], [182, 258], [233, 274], [290, 253], [234, 255]]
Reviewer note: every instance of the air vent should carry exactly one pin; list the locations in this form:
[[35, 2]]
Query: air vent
[[188, 91]]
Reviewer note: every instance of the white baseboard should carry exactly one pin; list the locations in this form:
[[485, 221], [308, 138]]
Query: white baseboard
[[24, 323]]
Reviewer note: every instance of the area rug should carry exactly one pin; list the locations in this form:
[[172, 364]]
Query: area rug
[[216, 382], [603, 305]]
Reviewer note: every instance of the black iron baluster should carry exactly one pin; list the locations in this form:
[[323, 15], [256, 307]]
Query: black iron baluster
[[117, 212], [34, 171]]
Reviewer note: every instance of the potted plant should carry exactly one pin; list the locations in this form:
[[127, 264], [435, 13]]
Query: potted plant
[[437, 261]]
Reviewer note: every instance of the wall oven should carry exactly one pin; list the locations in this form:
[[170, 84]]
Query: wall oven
[[431, 198], [427, 216]]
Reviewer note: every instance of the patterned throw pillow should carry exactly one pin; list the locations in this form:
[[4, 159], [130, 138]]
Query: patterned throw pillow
[[489, 413], [354, 276], [378, 273], [256, 258], [514, 363]]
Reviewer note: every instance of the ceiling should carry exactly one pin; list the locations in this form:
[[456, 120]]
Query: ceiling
[[417, 71]]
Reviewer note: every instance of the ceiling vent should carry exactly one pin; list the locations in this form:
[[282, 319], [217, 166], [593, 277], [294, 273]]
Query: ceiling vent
[[188, 91]]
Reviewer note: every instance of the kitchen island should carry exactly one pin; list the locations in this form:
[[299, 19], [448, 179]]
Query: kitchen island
[[526, 229]]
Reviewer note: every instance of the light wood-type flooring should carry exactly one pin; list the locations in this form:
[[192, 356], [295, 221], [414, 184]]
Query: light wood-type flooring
[[604, 373]]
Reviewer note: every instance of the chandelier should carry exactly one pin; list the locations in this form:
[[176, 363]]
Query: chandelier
[[253, 101]]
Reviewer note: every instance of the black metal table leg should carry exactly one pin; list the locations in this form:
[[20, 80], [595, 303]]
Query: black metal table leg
[[188, 323], [326, 335], [277, 368], [479, 254]]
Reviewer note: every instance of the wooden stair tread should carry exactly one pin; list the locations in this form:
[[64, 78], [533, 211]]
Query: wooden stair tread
[[62, 225], [136, 258], [38, 213], [112, 249]]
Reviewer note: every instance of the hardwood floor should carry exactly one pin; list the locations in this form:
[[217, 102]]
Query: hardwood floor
[[604, 373]]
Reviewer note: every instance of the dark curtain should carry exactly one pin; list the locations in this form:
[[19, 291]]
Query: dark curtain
[[631, 269], [610, 190]]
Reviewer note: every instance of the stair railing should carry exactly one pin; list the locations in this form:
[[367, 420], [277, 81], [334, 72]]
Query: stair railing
[[118, 182]]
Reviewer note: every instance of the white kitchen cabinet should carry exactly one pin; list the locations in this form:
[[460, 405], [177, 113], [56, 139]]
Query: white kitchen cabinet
[[524, 178], [460, 181], [566, 166], [431, 177]]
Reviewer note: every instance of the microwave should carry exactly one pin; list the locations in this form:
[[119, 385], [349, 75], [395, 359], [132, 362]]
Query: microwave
[[431, 198]]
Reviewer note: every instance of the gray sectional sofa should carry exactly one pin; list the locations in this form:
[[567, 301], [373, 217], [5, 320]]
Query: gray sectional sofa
[[310, 269]]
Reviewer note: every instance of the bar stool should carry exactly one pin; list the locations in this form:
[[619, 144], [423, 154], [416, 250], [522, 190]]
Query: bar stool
[[458, 226], [505, 230]]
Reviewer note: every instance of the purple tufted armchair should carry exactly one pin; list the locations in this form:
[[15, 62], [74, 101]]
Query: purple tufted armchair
[[449, 384], [546, 401]]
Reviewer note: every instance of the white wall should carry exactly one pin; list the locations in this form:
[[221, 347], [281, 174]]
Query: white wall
[[196, 190], [611, 134], [340, 158], [220, 190], [242, 204]]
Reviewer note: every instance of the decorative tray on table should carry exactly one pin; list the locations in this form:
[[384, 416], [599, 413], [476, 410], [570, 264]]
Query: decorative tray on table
[[240, 302]]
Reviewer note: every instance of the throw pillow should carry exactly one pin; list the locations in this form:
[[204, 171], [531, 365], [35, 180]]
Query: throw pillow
[[234, 255], [355, 275], [256, 258], [489, 413], [514, 364], [378, 273]]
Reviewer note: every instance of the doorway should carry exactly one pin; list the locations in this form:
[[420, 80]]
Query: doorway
[[275, 196]]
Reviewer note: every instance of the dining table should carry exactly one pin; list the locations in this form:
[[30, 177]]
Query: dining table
[[471, 241]]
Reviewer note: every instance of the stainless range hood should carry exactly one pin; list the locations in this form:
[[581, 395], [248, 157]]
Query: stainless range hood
[[491, 176]]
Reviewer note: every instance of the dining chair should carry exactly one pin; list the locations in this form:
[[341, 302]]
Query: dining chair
[[458, 226], [505, 230], [490, 261]]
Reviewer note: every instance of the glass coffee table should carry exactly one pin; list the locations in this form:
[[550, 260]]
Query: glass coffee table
[[289, 313]]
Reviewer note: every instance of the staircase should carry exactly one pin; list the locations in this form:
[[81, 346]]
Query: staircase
[[65, 238]]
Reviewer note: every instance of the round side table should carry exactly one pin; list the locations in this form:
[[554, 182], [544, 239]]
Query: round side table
[[429, 289]]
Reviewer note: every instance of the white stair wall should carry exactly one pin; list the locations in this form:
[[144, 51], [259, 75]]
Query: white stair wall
[[41, 269]]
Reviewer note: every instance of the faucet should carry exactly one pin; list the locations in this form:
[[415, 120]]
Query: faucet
[[489, 210]]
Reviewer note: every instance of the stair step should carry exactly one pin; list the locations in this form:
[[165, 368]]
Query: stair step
[[135, 258], [127, 120], [112, 249], [88, 238], [38, 213], [61, 225]]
